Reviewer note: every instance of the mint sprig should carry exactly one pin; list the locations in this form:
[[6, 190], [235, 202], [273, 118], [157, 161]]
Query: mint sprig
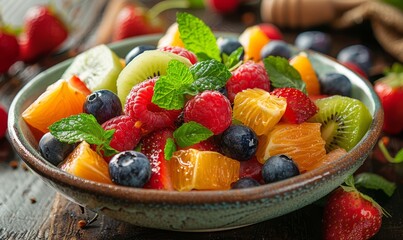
[[83, 127], [170, 90], [169, 148], [197, 37], [282, 74], [232, 61], [191, 133]]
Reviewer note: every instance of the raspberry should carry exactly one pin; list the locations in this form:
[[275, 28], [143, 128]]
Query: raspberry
[[150, 116], [3, 121], [127, 134], [210, 109], [248, 75], [299, 106], [181, 52]]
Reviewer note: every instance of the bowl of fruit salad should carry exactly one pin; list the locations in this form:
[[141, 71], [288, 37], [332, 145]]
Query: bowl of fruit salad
[[195, 133]]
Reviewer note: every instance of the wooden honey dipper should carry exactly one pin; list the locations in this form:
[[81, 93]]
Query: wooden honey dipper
[[304, 13]]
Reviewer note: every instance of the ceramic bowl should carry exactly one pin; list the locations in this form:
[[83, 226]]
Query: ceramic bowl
[[195, 210]]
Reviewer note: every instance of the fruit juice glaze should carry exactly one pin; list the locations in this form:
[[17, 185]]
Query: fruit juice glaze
[[198, 114]]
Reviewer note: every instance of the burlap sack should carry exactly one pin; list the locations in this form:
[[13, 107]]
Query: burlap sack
[[386, 21]]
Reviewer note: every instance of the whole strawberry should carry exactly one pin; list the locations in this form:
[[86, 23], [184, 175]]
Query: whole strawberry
[[133, 21], [9, 49], [350, 214], [43, 33], [390, 92]]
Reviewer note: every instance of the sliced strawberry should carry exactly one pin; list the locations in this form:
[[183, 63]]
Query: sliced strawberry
[[152, 146], [127, 134], [76, 83], [251, 168], [209, 144], [150, 116], [299, 106]]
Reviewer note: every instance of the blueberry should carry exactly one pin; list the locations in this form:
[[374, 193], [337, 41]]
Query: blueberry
[[229, 45], [314, 40], [276, 48], [357, 54], [239, 142], [53, 150], [279, 167], [103, 104], [137, 51], [335, 84], [245, 182], [130, 168]]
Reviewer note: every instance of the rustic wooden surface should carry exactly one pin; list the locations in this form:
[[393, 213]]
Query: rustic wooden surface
[[29, 209]]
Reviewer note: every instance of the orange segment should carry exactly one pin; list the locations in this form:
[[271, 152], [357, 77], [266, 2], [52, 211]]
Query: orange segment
[[303, 65], [171, 37], [60, 100], [202, 170], [253, 40], [302, 142], [258, 110], [85, 163]]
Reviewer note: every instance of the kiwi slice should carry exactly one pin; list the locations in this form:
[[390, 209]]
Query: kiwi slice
[[98, 68], [344, 121], [147, 65]]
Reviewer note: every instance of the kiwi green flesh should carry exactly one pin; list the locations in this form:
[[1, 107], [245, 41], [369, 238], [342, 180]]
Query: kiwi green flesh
[[145, 66], [344, 121], [98, 68]]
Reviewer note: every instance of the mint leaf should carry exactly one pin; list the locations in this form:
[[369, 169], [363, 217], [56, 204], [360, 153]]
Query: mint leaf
[[191, 133], [197, 37], [169, 149], [169, 89], [232, 61], [83, 127], [208, 75], [282, 74]]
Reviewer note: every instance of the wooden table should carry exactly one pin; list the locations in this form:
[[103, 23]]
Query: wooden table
[[29, 209]]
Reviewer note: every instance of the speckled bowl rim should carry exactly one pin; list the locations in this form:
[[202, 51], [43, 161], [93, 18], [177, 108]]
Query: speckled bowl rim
[[32, 158]]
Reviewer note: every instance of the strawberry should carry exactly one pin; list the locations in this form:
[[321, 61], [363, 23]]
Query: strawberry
[[152, 145], [248, 75], [126, 136], [209, 144], [210, 109], [76, 83], [271, 31], [350, 214], [251, 168], [3, 121], [43, 33], [223, 6], [133, 21], [299, 106], [9, 49], [390, 92], [181, 52]]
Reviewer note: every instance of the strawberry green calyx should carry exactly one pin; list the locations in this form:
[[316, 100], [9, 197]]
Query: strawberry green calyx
[[398, 157], [376, 182]]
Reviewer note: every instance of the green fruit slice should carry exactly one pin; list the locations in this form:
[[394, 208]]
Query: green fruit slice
[[98, 68], [344, 121], [145, 66]]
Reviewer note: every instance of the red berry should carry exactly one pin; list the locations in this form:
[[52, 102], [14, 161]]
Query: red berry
[[248, 75], [251, 168], [130, 22], [9, 49], [127, 134], [3, 121], [355, 68], [348, 215], [206, 145], [271, 31], [181, 52], [223, 6], [44, 32], [152, 146], [299, 106], [210, 109], [150, 116]]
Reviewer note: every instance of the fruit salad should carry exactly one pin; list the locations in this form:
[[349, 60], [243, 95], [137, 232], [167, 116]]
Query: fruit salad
[[206, 113]]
